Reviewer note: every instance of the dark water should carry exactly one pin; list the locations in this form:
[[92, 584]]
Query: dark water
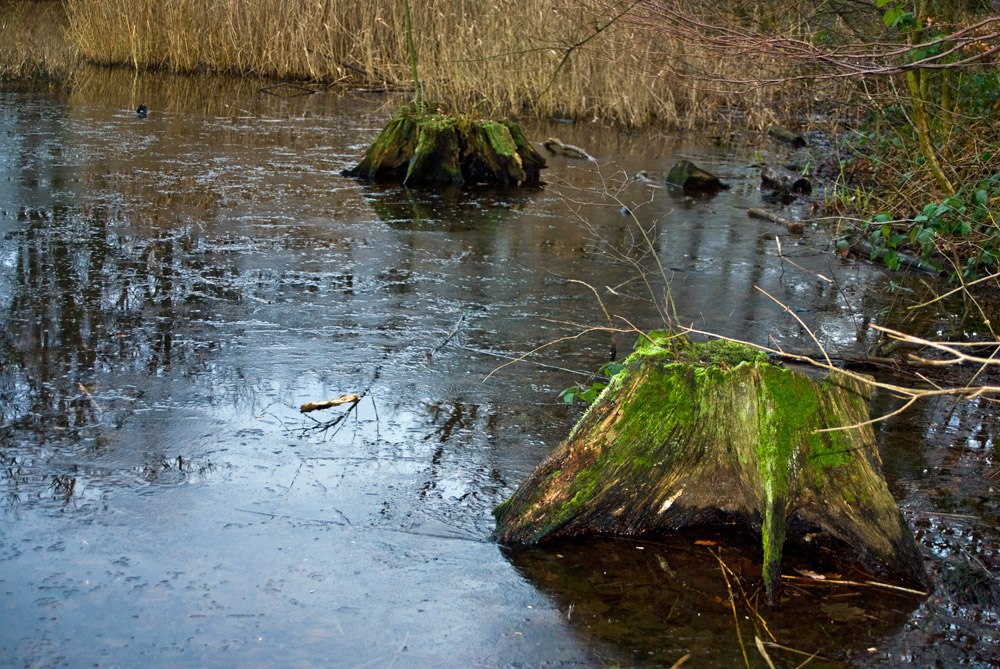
[[172, 289]]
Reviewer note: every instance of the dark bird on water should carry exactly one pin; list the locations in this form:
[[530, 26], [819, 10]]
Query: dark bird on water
[[142, 111]]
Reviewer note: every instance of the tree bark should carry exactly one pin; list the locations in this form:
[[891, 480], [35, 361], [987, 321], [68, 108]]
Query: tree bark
[[417, 148], [787, 136], [692, 178], [715, 432]]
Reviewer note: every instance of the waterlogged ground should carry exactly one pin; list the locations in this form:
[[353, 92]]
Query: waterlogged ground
[[173, 288]]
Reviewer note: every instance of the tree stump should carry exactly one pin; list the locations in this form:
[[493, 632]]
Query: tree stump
[[436, 148], [707, 432], [693, 179]]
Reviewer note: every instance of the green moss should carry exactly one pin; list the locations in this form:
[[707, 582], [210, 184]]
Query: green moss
[[500, 139], [719, 351], [656, 342], [584, 487], [662, 427], [440, 148], [665, 344]]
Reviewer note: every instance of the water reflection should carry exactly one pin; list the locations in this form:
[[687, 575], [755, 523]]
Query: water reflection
[[666, 597], [449, 208]]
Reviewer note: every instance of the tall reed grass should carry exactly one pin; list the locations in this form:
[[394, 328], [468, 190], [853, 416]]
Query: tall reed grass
[[32, 41], [500, 56]]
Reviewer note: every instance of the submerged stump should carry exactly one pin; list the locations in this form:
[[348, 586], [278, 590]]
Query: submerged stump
[[436, 148], [713, 432], [693, 179]]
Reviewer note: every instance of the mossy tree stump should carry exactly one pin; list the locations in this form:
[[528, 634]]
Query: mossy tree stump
[[714, 431], [693, 179], [436, 148]]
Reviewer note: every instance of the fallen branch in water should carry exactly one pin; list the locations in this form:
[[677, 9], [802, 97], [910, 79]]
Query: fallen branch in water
[[792, 226], [326, 404], [451, 334], [868, 584], [558, 148], [300, 90]]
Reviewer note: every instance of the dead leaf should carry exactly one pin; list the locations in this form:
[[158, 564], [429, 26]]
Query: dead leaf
[[706, 542], [811, 574], [839, 612]]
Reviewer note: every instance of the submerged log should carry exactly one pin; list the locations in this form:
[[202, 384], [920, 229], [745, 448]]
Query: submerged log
[[558, 148], [787, 136], [693, 179], [795, 227], [435, 148], [712, 432], [784, 183]]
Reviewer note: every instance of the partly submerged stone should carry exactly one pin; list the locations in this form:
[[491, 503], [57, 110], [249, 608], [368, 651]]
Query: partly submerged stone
[[699, 433]]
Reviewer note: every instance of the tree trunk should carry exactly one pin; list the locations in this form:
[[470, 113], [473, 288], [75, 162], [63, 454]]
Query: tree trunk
[[675, 441], [416, 148]]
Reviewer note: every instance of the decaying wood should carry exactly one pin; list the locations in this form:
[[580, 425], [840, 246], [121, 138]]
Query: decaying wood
[[693, 179], [787, 136], [670, 444], [863, 248], [784, 183], [437, 148], [558, 148], [326, 404], [794, 227]]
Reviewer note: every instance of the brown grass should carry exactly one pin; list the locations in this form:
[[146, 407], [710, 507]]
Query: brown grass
[[499, 56], [32, 44]]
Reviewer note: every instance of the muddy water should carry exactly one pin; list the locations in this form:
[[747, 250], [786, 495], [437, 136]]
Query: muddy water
[[173, 287]]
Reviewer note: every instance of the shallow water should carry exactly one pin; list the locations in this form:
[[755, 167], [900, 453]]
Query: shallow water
[[172, 288]]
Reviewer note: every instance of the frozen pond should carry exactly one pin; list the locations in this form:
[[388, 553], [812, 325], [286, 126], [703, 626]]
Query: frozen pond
[[172, 288]]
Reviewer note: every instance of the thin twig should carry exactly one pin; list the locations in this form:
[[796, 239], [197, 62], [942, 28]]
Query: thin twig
[[760, 648], [90, 397], [801, 322], [862, 584], [810, 656], [451, 334], [954, 290], [732, 603]]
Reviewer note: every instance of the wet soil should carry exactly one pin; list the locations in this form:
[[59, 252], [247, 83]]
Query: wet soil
[[173, 287]]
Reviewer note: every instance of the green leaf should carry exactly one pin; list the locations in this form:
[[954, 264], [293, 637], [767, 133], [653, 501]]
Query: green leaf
[[568, 395], [893, 16], [612, 368], [891, 259], [982, 197]]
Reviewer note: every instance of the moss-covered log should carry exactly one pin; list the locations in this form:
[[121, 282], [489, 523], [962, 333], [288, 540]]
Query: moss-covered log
[[787, 136], [693, 179], [421, 148], [675, 440]]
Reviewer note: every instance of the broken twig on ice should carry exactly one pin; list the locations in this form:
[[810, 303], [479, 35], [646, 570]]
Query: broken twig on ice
[[792, 226], [326, 404]]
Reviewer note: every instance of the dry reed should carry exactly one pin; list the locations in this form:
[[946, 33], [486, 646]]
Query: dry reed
[[32, 44], [501, 56]]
